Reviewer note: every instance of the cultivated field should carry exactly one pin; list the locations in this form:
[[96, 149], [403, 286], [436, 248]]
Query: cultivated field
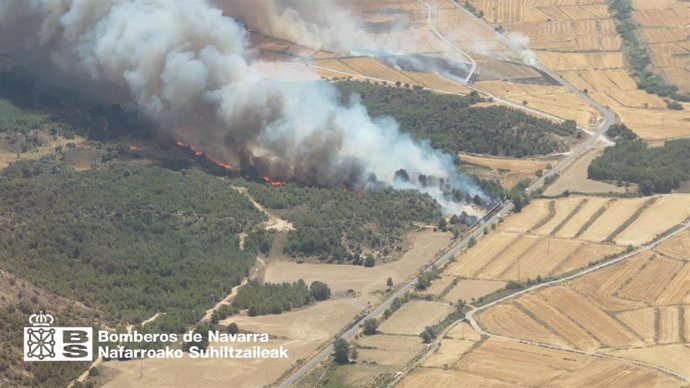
[[635, 309], [501, 363], [552, 237], [579, 41], [575, 180], [414, 316], [301, 332], [366, 281], [508, 171], [390, 350], [678, 246], [552, 99], [664, 28], [597, 219]]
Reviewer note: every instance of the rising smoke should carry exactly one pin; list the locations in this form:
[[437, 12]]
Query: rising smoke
[[185, 64]]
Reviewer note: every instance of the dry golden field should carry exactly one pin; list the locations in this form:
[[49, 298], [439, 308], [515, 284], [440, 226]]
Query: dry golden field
[[508, 171], [634, 309], [414, 316], [578, 40], [664, 27], [551, 99], [501, 363], [575, 179], [552, 237]]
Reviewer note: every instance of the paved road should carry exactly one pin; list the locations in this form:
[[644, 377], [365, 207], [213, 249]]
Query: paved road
[[507, 207]]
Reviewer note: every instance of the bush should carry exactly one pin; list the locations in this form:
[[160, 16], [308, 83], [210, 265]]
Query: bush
[[341, 351], [319, 290], [371, 325]]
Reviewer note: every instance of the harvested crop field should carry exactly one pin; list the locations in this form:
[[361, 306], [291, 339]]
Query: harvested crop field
[[664, 28], [551, 99], [678, 246], [367, 281], [414, 316], [628, 309], [508, 171], [499, 363], [575, 180], [301, 332], [392, 350], [511, 256], [468, 289], [579, 41], [623, 221]]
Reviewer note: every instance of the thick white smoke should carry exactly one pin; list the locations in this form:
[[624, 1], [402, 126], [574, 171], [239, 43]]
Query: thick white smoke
[[185, 64], [322, 25]]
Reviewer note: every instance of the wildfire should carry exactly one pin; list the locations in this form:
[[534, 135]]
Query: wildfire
[[197, 152], [224, 166], [272, 182]]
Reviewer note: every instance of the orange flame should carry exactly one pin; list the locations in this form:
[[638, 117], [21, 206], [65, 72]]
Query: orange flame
[[273, 183], [181, 144], [224, 166], [197, 152], [346, 189]]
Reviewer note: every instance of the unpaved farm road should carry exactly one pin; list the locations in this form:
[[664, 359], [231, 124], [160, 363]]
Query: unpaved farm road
[[507, 207]]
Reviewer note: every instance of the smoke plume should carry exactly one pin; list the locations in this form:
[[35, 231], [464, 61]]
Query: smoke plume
[[185, 65]]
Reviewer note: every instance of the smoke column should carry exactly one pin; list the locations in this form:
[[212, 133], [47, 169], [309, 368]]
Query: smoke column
[[186, 66]]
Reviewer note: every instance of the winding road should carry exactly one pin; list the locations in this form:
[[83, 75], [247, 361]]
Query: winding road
[[608, 119]]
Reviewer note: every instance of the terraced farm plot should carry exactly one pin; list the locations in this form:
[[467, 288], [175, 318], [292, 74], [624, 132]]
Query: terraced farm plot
[[414, 316]]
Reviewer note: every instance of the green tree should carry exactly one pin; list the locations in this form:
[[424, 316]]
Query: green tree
[[341, 351], [369, 261], [233, 328], [320, 290], [389, 282], [371, 325]]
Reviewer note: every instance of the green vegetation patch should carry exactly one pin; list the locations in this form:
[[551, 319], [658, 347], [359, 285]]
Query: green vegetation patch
[[270, 298], [656, 170], [451, 124], [131, 240], [337, 225]]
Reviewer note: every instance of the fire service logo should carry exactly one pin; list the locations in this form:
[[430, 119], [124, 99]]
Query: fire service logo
[[43, 342]]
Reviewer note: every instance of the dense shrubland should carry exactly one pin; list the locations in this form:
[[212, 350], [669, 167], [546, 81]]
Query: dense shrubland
[[451, 124], [656, 170]]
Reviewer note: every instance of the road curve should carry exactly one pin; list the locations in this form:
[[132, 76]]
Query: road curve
[[609, 119]]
